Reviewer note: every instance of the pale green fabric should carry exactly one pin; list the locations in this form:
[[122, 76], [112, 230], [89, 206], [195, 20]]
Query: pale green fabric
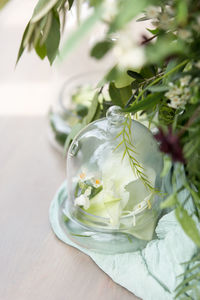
[[151, 273]]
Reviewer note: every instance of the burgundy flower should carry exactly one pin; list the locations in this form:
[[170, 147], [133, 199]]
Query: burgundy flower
[[170, 144]]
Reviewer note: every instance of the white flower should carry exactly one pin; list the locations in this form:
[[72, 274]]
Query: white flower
[[197, 64], [184, 34], [185, 80], [82, 200], [165, 21], [88, 191], [126, 52], [169, 10], [177, 102], [96, 182], [110, 10], [152, 12], [173, 92], [133, 57]]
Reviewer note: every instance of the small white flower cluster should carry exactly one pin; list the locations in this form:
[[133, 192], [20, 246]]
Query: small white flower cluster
[[196, 25], [160, 18], [179, 94], [197, 64], [126, 52], [83, 199], [185, 34]]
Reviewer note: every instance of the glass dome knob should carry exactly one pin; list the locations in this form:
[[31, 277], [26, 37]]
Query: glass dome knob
[[115, 115]]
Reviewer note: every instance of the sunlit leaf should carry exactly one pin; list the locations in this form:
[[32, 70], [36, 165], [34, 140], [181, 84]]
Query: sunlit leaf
[[41, 9]]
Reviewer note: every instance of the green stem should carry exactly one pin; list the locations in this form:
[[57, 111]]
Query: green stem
[[160, 78]]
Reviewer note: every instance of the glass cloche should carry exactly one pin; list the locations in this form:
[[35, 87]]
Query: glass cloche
[[113, 183]]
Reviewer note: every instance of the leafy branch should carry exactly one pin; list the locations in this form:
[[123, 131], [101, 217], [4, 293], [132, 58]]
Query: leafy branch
[[43, 30]]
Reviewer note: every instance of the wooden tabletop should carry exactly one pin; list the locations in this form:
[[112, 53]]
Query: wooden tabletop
[[34, 264]]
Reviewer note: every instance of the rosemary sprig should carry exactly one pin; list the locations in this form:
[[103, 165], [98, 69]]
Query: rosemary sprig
[[130, 151]]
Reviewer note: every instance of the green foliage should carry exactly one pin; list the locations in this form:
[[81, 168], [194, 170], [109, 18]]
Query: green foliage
[[129, 9], [119, 96], [84, 29], [188, 224], [53, 38], [101, 48], [147, 103], [43, 30], [190, 283], [42, 8]]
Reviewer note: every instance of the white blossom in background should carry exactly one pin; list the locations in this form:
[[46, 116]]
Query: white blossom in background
[[197, 64], [152, 12], [184, 34], [110, 10], [165, 21], [126, 52], [185, 80]]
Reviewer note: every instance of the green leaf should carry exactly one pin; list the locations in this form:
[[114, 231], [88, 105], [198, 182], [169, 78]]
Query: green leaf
[[101, 48], [53, 38], [182, 12], [148, 71], [165, 47], [92, 109], [128, 10], [167, 166], [120, 96], [41, 50], [3, 3], [148, 102], [135, 75], [188, 225], [80, 33], [41, 9], [154, 31], [75, 130], [126, 93], [115, 95], [70, 3], [21, 48], [170, 201]]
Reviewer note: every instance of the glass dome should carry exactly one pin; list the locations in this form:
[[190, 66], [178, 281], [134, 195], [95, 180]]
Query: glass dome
[[113, 178]]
